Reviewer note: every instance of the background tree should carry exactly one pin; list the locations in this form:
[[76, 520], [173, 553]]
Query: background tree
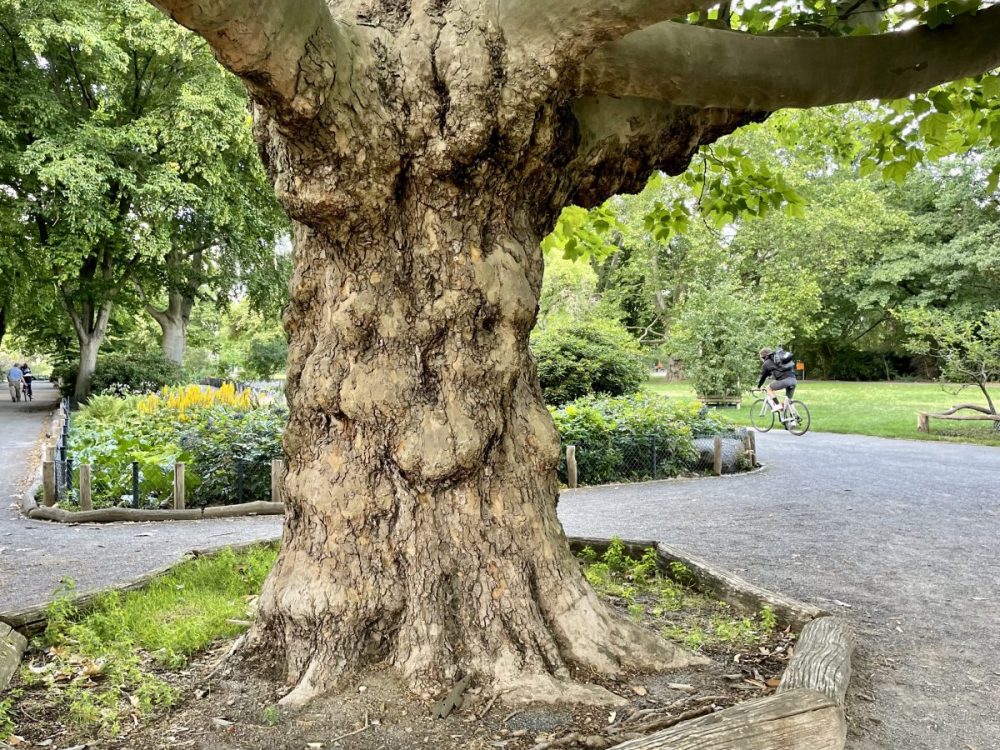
[[967, 351], [718, 336], [117, 128], [423, 151]]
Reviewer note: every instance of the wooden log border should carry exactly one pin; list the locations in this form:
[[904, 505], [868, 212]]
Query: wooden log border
[[806, 712], [111, 515], [722, 584]]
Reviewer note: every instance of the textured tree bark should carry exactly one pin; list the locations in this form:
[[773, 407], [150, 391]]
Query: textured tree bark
[[421, 484], [89, 346], [421, 159]]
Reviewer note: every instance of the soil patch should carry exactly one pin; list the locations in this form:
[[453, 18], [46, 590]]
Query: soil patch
[[237, 710]]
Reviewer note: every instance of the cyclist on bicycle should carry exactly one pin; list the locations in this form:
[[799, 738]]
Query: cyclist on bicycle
[[783, 376]]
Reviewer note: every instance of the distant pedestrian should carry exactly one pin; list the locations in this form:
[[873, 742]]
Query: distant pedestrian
[[15, 382]]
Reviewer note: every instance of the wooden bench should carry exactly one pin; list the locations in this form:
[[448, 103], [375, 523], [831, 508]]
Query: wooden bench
[[984, 414]]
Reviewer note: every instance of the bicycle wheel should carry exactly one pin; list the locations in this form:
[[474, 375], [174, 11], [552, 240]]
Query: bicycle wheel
[[761, 416], [800, 420]]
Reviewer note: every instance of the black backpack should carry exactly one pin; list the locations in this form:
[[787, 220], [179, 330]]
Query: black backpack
[[785, 363]]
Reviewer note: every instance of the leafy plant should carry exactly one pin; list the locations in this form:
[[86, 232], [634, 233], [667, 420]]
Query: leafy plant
[[717, 336], [580, 358], [612, 434]]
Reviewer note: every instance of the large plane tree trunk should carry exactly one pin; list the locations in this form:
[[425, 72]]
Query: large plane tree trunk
[[422, 483], [421, 487], [422, 149]]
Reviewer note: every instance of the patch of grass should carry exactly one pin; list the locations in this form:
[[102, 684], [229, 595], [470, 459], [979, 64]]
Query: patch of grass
[[100, 667], [683, 614], [878, 409]]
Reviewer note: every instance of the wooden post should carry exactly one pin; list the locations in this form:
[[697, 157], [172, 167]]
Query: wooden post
[[923, 422], [49, 483], [179, 485], [753, 448], [86, 502], [717, 463], [277, 474], [571, 473]]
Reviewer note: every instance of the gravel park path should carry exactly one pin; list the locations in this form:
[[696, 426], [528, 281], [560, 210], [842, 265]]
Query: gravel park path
[[900, 537]]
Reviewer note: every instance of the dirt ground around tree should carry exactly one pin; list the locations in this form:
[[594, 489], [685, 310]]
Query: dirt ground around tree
[[235, 709]]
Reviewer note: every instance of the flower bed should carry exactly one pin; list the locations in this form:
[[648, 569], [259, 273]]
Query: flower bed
[[225, 438]]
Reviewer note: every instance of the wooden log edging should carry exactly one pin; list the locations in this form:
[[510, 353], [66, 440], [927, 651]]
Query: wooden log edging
[[822, 659], [794, 720], [722, 584], [111, 515], [12, 646]]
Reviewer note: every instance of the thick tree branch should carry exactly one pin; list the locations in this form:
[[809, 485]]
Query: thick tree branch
[[576, 26], [286, 52], [709, 68]]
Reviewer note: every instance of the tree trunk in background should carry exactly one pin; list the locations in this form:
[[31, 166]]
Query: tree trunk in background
[[89, 346], [3, 323], [173, 322]]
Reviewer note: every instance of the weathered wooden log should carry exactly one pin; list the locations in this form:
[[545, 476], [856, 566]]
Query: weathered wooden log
[[571, 468], [277, 476], [86, 502], [922, 422], [822, 659], [257, 508], [739, 592], [179, 485], [49, 483], [104, 515], [720, 583], [794, 719], [12, 646]]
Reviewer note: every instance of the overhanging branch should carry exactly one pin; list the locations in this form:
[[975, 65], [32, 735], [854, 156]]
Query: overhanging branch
[[704, 67], [574, 26], [270, 45]]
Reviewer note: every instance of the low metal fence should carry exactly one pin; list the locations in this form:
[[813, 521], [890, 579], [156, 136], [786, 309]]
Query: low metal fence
[[624, 458]]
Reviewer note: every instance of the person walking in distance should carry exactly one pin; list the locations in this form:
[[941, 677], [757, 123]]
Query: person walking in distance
[[15, 382]]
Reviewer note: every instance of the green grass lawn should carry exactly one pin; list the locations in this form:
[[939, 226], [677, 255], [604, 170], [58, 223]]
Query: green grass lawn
[[880, 409]]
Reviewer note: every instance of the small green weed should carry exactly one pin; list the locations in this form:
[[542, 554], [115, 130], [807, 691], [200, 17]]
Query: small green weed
[[768, 619], [687, 616], [271, 716], [6, 722]]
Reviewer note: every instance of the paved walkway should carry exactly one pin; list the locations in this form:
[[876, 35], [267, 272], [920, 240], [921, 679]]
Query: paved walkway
[[900, 537]]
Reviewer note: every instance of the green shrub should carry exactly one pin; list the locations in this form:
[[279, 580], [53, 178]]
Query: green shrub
[[122, 373], [618, 439], [589, 357], [267, 356], [226, 443]]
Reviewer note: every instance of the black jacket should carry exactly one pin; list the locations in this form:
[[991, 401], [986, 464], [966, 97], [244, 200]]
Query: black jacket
[[771, 369]]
